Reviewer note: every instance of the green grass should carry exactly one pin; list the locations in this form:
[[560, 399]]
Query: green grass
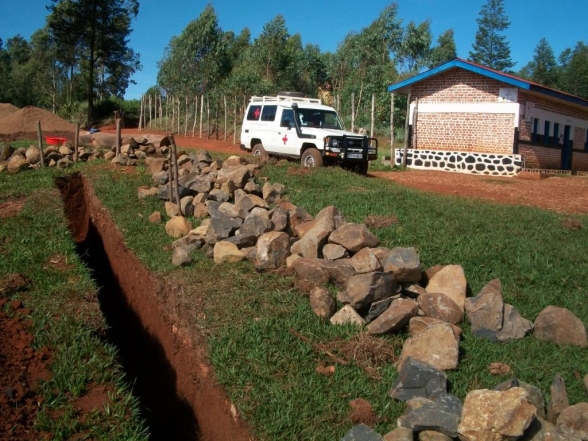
[[65, 314], [246, 316], [270, 374]]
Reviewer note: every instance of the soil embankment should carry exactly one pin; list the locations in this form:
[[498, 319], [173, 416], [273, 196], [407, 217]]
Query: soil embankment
[[167, 365]]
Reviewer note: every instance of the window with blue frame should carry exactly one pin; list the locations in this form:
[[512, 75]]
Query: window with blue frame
[[535, 126], [546, 128]]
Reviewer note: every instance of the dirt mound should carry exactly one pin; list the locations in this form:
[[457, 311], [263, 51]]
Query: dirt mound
[[7, 109], [23, 123]]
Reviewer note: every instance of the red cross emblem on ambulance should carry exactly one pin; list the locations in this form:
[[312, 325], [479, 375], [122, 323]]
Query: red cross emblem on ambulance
[[285, 138], [256, 113]]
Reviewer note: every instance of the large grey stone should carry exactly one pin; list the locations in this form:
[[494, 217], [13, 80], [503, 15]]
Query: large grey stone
[[418, 379], [255, 225], [486, 311], [221, 227], [361, 432], [363, 289], [442, 414], [514, 326], [404, 263]]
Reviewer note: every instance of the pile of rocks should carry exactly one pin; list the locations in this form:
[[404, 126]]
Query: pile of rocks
[[14, 160], [92, 146], [383, 290]]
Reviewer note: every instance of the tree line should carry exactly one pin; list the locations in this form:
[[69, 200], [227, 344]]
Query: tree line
[[80, 63]]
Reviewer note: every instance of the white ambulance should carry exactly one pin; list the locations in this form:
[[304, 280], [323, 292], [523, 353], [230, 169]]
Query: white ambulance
[[292, 126]]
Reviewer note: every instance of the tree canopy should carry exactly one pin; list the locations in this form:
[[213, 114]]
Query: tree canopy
[[94, 37], [491, 48]]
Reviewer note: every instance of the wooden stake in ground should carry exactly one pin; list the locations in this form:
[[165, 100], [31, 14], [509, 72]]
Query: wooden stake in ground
[[76, 142], [373, 114], [40, 139], [118, 137], [391, 129], [235, 122], [353, 111], [406, 130], [176, 174]]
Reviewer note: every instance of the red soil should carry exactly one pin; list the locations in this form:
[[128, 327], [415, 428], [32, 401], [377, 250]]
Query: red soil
[[21, 367]]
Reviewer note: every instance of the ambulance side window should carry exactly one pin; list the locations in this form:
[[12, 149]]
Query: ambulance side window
[[253, 113], [268, 113]]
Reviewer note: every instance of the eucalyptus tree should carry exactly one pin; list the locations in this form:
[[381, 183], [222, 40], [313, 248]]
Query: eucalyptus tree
[[573, 70], [92, 37], [415, 49], [543, 68], [193, 61], [445, 49], [491, 48]]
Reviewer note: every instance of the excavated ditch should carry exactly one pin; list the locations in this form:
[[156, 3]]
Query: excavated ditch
[[165, 365]]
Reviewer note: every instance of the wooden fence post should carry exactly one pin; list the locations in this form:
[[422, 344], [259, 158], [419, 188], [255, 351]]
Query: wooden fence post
[[406, 129], [76, 142], [353, 111], [391, 129], [195, 115], [40, 140], [174, 157], [373, 114], [225, 102], [141, 113], [201, 112], [118, 137], [186, 118], [235, 121]]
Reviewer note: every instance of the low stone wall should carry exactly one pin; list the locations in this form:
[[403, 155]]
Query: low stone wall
[[461, 162]]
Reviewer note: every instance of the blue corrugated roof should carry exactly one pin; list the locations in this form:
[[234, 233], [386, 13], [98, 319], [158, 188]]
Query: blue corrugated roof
[[490, 73]]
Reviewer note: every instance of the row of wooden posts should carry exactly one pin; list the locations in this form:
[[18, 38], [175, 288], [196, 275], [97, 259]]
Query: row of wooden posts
[[152, 108]]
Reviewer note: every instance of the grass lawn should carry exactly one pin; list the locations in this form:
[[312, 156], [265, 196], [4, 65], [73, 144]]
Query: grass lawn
[[248, 317], [65, 316]]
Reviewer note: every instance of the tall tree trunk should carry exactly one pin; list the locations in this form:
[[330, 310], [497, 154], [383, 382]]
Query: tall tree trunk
[[91, 66]]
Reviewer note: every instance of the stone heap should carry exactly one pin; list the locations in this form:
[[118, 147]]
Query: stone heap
[[382, 290], [97, 145]]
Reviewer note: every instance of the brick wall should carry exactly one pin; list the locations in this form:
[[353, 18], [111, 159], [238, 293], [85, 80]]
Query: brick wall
[[579, 161], [469, 132], [540, 157]]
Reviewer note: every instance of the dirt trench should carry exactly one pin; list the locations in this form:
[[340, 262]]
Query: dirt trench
[[166, 366]]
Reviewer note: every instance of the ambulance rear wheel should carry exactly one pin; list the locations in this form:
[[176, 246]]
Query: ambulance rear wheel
[[260, 152], [312, 158]]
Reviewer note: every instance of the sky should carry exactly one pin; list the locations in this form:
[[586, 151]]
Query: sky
[[325, 23]]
